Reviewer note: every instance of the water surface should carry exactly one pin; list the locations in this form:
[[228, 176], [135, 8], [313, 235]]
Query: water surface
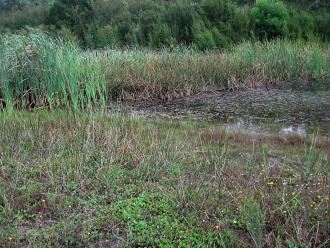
[[301, 108]]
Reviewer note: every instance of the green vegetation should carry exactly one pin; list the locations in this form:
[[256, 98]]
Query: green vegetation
[[270, 19], [90, 180], [202, 24], [38, 72], [74, 175]]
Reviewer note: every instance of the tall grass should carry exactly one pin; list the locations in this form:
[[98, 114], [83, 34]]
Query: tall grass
[[165, 73], [37, 71]]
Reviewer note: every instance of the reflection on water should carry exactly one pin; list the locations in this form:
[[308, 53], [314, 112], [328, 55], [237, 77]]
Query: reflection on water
[[292, 130], [270, 128], [289, 108]]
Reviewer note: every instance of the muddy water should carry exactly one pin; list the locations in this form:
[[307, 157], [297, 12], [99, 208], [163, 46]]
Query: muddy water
[[301, 108]]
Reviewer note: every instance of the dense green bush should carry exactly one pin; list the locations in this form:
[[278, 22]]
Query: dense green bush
[[73, 13], [301, 24], [224, 21], [322, 20], [203, 24], [270, 18], [28, 16]]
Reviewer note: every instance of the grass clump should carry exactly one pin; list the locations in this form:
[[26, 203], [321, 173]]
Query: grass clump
[[37, 71]]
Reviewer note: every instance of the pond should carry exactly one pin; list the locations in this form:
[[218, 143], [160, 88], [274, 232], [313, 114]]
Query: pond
[[288, 108]]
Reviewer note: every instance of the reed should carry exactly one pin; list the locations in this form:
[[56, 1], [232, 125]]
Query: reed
[[37, 71]]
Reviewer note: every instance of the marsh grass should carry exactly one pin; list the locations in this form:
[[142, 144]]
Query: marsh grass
[[73, 180], [165, 74], [37, 71], [40, 72]]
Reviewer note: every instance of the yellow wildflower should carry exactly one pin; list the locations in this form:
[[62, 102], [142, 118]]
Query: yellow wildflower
[[270, 184]]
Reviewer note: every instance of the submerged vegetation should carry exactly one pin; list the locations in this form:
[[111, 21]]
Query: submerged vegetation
[[37, 71], [91, 180]]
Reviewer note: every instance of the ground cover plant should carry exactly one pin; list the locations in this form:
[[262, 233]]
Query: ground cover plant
[[77, 180], [40, 72]]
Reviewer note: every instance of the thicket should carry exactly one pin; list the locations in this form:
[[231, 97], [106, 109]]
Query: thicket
[[203, 24]]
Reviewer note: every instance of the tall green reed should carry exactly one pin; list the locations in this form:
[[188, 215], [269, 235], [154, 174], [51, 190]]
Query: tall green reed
[[37, 71]]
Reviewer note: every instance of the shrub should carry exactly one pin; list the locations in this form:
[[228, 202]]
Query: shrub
[[181, 16], [300, 25], [204, 40], [270, 18], [322, 20], [161, 36], [104, 36]]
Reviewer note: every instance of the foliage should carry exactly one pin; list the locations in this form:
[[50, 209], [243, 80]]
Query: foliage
[[322, 20], [151, 220], [28, 16], [72, 13], [205, 24], [270, 18]]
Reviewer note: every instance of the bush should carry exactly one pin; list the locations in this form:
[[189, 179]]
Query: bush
[[27, 16], [104, 36], [205, 24], [75, 14], [181, 16], [301, 24], [322, 20], [220, 16], [161, 36], [204, 40], [270, 18]]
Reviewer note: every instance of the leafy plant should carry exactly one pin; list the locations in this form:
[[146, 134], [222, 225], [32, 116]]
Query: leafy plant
[[270, 19]]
